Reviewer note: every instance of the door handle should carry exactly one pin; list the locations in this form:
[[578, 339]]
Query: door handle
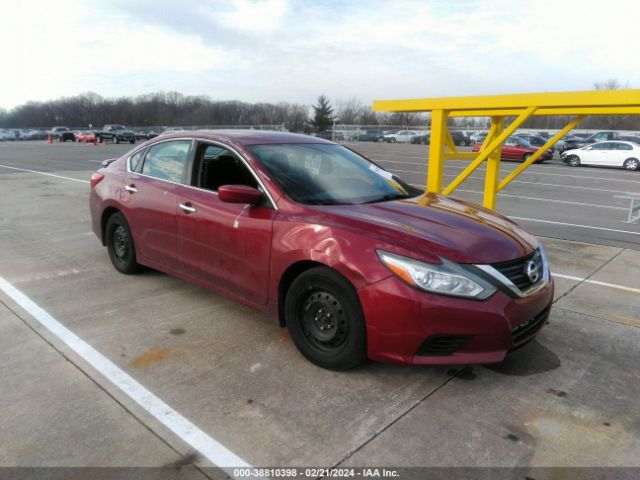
[[187, 208], [131, 188]]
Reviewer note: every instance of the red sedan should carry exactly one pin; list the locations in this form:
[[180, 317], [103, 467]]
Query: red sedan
[[87, 137], [515, 148], [352, 260]]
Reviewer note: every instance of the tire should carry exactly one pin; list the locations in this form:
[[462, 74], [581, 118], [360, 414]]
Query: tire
[[631, 164], [116, 139], [573, 161], [325, 319], [526, 156], [98, 139], [392, 140], [132, 141], [120, 246]]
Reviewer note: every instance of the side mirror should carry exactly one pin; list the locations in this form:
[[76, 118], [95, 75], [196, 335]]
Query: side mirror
[[239, 194]]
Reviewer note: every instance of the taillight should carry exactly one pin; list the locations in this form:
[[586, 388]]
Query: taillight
[[95, 179]]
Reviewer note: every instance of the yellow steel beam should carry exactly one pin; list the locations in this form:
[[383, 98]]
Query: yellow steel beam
[[548, 111], [436, 151], [552, 141], [493, 166], [451, 145], [482, 156], [601, 98]]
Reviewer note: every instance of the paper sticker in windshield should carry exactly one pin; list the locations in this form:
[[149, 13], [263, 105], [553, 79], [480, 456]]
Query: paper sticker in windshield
[[312, 163], [381, 172]]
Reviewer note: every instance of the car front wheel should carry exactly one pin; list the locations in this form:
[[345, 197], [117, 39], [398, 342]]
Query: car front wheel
[[631, 164], [573, 161], [325, 319], [120, 246]]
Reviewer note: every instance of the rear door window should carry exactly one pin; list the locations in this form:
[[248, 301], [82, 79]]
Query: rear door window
[[167, 161]]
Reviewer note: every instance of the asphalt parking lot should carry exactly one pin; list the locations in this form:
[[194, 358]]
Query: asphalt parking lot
[[105, 370]]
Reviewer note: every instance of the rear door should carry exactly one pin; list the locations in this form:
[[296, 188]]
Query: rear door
[[151, 198], [224, 245]]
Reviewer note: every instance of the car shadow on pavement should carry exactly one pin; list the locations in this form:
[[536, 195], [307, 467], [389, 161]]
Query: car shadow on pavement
[[529, 360]]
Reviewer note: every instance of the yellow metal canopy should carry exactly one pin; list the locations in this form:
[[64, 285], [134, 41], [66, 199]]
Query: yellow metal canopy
[[521, 106]]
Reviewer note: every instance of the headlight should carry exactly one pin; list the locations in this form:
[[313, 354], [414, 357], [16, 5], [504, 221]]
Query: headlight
[[448, 278]]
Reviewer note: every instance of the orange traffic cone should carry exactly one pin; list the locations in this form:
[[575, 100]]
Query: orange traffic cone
[[49, 139]]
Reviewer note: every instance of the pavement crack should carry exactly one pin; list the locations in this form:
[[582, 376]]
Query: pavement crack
[[588, 277], [352, 452]]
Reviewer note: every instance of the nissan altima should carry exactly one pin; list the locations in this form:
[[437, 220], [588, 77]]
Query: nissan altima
[[355, 262]]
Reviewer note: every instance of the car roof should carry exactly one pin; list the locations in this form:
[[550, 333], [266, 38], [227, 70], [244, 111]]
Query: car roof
[[248, 137]]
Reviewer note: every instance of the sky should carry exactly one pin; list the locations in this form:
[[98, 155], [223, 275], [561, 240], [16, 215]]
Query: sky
[[294, 50]]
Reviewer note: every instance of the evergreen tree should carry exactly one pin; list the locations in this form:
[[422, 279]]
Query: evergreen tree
[[323, 114]]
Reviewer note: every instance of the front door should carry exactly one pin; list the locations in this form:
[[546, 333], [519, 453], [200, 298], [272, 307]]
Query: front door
[[225, 245]]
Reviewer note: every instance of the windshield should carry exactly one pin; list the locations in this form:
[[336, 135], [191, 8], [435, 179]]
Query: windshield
[[318, 174]]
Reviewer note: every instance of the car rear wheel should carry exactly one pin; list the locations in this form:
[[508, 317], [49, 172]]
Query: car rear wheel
[[325, 319], [120, 246], [631, 164], [573, 161]]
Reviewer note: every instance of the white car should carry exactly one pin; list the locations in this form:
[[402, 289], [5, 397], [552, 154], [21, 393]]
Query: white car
[[610, 154], [4, 135], [401, 136]]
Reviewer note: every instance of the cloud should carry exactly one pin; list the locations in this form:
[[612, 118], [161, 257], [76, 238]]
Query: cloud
[[273, 50]]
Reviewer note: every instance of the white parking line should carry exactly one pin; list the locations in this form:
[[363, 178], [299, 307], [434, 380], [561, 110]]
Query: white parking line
[[211, 449], [596, 282], [45, 173], [574, 225]]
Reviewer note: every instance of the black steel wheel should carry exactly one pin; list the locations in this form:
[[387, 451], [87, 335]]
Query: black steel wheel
[[325, 319], [526, 156], [120, 246]]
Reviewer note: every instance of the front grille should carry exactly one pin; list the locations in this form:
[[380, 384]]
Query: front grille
[[532, 326], [442, 345], [516, 270]]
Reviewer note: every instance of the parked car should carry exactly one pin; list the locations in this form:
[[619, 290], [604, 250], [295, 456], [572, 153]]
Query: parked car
[[172, 130], [355, 262], [400, 136], [370, 135], [422, 139], [115, 133], [610, 154], [331, 135], [86, 136], [578, 141], [62, 134], [460, 138], [515, 148], [534, 140], [478, 137], [3, 135], [146, 134]]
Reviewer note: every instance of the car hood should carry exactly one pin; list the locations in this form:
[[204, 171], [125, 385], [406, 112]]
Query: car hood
[[439, 225]]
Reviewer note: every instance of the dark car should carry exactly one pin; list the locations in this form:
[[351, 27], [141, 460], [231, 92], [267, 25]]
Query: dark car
[[516, 148], [62, 134], [424, 139], [116, 134], [579, 141], [331, 135], [352, 260], [535, 140], [146, 134], [371, 135]]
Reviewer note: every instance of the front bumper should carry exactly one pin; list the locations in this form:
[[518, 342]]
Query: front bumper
[[402, 321]]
